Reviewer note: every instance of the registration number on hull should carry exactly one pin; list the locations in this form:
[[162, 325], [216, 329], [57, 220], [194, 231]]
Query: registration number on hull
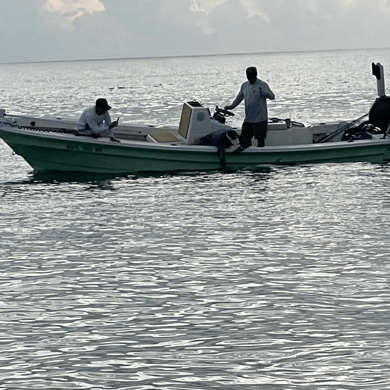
[[84, 148]]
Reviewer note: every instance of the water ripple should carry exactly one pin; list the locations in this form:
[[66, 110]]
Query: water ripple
[[275, 279]]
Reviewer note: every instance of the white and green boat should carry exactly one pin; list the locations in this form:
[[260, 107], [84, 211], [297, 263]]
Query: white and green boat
[[51, 145]]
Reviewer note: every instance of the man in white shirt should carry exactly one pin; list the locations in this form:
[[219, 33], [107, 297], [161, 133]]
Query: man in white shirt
[[255, 93], [91, 121]]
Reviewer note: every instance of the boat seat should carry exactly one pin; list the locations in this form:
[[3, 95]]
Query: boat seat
[[163, 137], [195, 122]]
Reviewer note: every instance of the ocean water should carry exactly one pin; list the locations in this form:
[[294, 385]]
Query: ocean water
[[274, 279]]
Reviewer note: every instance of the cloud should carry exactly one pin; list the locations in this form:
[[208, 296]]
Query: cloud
[[66, 6], [254, 10], [205, 6], [205, 9], [40, 30], [208, 6], [384, 6], [64, 12]]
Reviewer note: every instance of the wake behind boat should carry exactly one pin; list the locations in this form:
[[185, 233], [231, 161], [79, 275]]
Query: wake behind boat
[[50, 144]]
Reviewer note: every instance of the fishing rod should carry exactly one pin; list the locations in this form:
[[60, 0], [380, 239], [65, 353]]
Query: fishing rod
[[335, 133]]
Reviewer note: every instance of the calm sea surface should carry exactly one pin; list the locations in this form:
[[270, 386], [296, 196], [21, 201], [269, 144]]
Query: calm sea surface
[[276, 279]]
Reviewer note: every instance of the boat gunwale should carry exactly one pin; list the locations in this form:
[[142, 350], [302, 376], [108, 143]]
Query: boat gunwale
[[172, 146]]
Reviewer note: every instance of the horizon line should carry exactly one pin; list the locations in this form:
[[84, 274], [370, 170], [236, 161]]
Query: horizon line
[[189, 55]]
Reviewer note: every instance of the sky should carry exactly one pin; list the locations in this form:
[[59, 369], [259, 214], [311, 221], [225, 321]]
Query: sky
[[57, 30]]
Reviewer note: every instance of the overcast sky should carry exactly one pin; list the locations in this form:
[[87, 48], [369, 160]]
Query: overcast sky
[[51, 30]]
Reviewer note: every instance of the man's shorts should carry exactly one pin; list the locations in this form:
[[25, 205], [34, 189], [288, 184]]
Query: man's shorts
[[257, 130]]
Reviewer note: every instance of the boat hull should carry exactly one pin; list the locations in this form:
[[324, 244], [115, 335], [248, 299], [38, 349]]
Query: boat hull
[[65, 152]]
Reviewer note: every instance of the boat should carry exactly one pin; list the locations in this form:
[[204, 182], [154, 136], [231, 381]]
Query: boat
[[51, 145]]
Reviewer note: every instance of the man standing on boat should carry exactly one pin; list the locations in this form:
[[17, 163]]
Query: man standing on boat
[[255, 93], [91, 121]]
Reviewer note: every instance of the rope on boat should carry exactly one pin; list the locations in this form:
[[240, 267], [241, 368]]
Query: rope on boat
[[44, 129], [347, 126]]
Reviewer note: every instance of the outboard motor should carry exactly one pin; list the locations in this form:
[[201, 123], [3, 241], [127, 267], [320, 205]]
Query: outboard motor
[[378, 121], [378, 117], [379, 114]]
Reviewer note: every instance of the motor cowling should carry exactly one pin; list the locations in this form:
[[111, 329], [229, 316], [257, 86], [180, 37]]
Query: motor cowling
[[379, 114]]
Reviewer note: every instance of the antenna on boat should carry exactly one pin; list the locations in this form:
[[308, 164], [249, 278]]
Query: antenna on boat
[[377, 71]]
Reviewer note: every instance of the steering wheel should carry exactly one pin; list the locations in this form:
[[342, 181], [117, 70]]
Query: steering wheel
[[223, 112]]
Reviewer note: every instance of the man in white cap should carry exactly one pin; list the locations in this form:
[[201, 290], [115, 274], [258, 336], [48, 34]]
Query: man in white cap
[[255, 93], [91, 121]]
